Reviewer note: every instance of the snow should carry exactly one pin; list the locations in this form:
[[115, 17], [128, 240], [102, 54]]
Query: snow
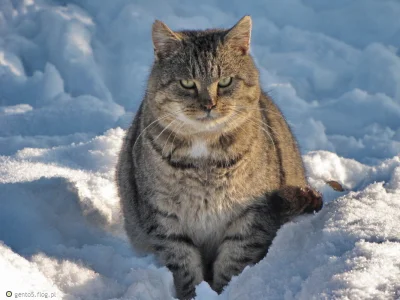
[[72, 74]]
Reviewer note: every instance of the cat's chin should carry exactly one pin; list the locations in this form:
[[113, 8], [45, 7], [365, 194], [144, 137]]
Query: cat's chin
[[207, 123], [206, 119]]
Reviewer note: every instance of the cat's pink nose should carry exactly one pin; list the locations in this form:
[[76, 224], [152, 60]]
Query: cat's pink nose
[[209, 106]]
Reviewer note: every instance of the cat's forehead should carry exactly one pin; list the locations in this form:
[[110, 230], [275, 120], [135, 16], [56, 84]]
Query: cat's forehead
[[203, 34], [202, 54], [202, 41]]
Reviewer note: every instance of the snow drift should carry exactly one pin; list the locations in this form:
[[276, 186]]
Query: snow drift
[[72, 74]]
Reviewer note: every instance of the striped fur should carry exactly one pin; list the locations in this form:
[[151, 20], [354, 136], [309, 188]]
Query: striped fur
[[207, 197]]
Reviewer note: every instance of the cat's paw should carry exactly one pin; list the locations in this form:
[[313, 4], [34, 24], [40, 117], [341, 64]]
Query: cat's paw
[[311, 199], [291, 201]]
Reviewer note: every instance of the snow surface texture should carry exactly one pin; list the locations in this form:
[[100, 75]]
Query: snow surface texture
[[72, 74]]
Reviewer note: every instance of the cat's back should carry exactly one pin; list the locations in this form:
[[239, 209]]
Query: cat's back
[[127, 185], [287, 155]]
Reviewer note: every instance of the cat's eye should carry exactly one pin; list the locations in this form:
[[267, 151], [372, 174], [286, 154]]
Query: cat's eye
[[225, 82], [188, 84]]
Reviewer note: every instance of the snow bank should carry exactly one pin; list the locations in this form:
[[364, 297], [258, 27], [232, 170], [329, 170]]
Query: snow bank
[[72, 74], [348, 251], [74, 243]]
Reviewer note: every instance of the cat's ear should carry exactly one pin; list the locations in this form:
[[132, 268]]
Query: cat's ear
[[165, 41], [238, 37]]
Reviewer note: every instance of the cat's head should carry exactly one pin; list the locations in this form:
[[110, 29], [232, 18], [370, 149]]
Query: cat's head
[[203, 81]]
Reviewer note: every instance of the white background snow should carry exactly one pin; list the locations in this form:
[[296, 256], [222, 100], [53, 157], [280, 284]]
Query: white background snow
[[72, 74]]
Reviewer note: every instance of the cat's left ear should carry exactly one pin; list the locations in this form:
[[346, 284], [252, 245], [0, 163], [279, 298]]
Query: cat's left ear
[[238, 37], [165, 41]]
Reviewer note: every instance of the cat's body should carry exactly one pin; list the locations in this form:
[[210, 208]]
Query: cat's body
[[207, 194]]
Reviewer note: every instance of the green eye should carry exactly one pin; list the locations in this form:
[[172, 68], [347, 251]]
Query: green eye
[[224, 82], [188, 84]]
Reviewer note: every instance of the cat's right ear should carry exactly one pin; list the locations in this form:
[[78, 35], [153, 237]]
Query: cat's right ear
[[238, 37], [165, 41]]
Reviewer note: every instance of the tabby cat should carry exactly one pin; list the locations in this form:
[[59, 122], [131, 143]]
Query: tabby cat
[[209, 169]]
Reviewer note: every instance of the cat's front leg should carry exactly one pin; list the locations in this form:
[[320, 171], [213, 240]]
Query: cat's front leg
[[250, 234], [183, 259], [246, 242]]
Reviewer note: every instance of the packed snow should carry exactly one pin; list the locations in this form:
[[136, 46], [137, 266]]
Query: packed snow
[[72, 74]]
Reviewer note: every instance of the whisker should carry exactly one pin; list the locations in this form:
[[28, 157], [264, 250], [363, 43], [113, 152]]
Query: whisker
[[172, 143], [152, 123], [280, 115], [259, 109], [166, 142], [165, 128], [270, 127], [269, 135]]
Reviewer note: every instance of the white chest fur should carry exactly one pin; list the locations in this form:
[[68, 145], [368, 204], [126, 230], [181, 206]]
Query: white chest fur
[[205, 225], [199, 149]]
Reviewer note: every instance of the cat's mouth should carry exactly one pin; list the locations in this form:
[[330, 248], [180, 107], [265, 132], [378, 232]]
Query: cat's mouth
[[206, 117], [206, 121]]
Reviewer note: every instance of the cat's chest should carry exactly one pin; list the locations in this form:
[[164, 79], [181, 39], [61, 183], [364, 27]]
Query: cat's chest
[[204, 208], [205, 214], [198, 148], [205, 194]]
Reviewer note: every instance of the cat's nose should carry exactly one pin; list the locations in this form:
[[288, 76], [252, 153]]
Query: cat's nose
[[206, 101], [209, 106]]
